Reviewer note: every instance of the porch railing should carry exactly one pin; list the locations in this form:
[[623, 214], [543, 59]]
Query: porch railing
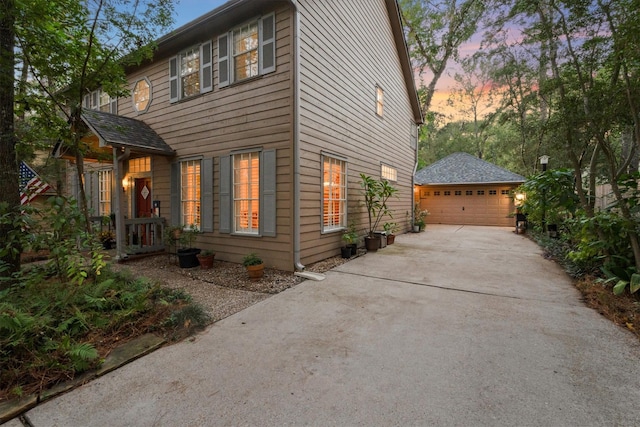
[[142, 235]]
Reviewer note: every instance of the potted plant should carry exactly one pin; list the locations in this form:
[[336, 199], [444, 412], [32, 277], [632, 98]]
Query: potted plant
[[376, 195], [350, 238], [107, 238], [205, 258], [187, 254], [389, 228], [254, 265], [419, 215]]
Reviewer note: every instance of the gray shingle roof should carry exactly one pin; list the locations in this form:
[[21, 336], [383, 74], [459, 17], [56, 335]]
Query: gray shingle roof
[[463, 168], [121, 131]]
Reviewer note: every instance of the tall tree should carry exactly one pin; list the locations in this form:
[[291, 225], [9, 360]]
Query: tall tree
[[9, 196], [436, 29], [473, 95], [69, 47]]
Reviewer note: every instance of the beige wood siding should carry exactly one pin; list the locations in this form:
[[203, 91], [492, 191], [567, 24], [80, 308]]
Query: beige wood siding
[[347, 48], [474, 205], [255, 113]]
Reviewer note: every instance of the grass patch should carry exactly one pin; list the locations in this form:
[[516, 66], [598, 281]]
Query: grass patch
[[51, 330]]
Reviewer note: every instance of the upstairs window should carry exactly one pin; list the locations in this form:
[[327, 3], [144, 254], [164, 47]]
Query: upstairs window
[[247, 51], [141, 95], [379, 101], [190, 73], [100, 101], [388, 172]]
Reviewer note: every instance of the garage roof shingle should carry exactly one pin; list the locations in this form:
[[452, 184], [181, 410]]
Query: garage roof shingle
[[463, 168]]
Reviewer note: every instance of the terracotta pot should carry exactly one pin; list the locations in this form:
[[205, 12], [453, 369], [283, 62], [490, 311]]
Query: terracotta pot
[[255, 272], [206, 261], [390, 239], [372, 243]]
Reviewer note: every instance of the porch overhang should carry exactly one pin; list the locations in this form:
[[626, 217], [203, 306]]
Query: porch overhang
[[107, 131], [124, 132]]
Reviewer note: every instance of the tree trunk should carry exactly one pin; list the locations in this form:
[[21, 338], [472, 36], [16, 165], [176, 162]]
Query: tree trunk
[[9, 178]]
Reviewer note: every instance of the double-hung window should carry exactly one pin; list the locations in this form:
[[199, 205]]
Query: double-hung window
[[101, 101], [248, 193], [334, 193], [247, 51], [190, 73], [190, 192], [105, 178]]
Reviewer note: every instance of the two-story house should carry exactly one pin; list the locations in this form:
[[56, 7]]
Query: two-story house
[[254, 122]]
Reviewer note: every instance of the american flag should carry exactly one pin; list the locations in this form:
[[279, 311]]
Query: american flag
[[30, 184]]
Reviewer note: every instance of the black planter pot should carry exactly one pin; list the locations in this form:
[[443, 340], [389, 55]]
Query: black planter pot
[[346, 252], [187, 257], [354, 248], [372, 243]]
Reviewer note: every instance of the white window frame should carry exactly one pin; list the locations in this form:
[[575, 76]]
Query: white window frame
[[245, 184], [388, 172], [249, 48], [265, 51], [190, 193], [97, 99], [330, 189], [379, 101], [135, 96], [202, 54], [105, 179]]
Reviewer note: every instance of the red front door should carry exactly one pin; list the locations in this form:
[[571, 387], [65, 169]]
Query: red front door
[[143, 204]]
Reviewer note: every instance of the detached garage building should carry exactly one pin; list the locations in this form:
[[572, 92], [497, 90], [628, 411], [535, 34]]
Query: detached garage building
[[462, 189]]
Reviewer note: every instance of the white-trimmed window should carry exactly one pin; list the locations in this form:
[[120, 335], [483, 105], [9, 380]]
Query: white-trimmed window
[[246, 192], [247, 51], [190, 73], [379, 101], [388, 172], [334, 193], [190, 193], [101, 101], [141, 95], [105, 179]]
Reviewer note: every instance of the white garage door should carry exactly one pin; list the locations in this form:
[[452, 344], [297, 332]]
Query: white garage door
[[468, 205]]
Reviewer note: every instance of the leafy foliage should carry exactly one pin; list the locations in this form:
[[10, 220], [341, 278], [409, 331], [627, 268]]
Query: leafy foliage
[[376, 194], [46, 325]]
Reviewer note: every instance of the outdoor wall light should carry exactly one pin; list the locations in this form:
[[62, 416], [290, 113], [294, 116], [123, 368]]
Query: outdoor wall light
[[544, 161], [519, 199], [125, 183]]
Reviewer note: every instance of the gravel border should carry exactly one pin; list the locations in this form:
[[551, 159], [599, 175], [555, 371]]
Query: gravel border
[[223, 290]]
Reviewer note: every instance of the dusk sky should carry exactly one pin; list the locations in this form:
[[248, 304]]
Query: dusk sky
[[188, 10]]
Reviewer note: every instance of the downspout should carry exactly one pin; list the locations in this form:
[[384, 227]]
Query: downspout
[[413, 176], [120, 232], [296, 138]]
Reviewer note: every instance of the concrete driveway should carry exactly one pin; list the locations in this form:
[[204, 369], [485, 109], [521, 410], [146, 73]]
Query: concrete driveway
[[461, 326]]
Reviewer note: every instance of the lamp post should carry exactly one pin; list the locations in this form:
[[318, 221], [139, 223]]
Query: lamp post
[[544, 160]]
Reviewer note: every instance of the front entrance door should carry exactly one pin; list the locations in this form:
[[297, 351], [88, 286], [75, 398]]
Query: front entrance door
[[143, 205]]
